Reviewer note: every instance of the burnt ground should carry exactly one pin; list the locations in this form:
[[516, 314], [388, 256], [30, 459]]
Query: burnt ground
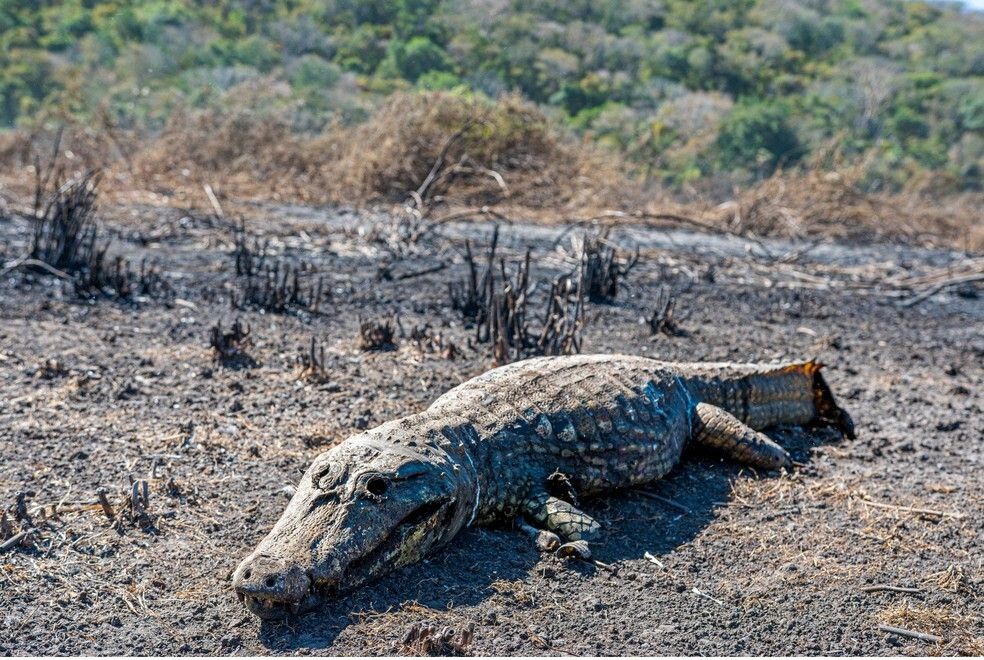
[[94, 393]]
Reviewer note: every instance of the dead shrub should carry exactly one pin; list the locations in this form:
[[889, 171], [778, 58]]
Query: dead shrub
[[603, 269], [561, 334], [241, 153], [281, 287], [314, 369], [425, 340], [662, 321], [471, 298], [376, 336], [16, 148], [428, 639], [506, 324], [249, 252], [115, 278], [506, 150], [407, 134], [230, 346], [64, 225]]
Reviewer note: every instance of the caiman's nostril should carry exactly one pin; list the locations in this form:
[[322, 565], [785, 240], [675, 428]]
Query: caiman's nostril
[[272, 579]]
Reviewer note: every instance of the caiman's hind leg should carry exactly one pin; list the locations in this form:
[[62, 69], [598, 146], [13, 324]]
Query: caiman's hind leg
[[718, 428], [560, 521]]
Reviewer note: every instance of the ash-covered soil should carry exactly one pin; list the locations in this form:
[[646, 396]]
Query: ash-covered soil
[[96, 393]]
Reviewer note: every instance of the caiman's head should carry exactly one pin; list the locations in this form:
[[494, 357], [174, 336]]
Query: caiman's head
[[364, 508]]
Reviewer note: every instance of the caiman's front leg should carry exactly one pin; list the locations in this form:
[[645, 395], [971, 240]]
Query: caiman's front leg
[[718, 428], [559, 520]]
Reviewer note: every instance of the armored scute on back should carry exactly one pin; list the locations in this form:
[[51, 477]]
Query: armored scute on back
[[522, 441]]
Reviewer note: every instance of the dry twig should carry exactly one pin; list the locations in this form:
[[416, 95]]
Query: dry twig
[[912, 634]]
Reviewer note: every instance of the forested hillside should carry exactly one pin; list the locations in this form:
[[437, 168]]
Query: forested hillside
[[685, 90]]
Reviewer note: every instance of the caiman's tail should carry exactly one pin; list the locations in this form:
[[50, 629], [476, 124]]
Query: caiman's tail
[[765, 395], [824, 403]]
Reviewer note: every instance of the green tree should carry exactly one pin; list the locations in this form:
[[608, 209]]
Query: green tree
[[414, 58], [757, 136]]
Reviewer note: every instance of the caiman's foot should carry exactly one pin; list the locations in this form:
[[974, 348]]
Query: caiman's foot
[[561, 517], [568, 529]]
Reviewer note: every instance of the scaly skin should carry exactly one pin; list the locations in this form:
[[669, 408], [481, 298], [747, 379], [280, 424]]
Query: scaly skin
[[523, 440]]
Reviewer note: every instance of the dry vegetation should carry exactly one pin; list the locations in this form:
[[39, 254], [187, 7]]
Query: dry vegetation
[[830, 204], [505, 151], [477, 158]]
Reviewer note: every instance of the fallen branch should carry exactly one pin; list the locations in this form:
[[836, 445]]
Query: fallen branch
[[902, 632], [887, 587], [418, 273], [650, 557], [15, 540], [706, 595], [911, 509], [213, 200], [420, 194], [642, 216], [945, 284], [35, 263], [601, 564], [458, 215], [665, 500]]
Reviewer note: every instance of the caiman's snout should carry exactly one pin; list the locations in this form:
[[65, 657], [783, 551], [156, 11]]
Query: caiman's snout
[[271, 588]]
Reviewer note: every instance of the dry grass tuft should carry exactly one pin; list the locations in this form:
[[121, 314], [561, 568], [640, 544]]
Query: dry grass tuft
[[64, 226], [229, 346], [426, 340], [603, 269], [313, 367], [958, 631], [953, 579], [241, 154]]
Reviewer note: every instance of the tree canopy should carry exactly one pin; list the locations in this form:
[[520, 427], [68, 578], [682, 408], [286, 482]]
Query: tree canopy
[[684, 88]]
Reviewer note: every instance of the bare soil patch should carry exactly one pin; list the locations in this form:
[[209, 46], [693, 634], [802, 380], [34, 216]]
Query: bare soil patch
[[99, 394]]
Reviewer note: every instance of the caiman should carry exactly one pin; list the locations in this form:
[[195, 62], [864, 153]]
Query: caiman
[[520, 442]]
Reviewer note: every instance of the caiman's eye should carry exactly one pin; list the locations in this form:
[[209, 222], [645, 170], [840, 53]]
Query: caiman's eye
[[324, 479], [377, 485]]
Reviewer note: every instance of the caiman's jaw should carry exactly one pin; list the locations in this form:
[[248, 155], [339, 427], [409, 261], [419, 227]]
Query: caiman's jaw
[[409, 541], [268, 608]]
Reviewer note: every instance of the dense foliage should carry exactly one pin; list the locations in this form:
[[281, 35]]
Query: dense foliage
[[686, 89]]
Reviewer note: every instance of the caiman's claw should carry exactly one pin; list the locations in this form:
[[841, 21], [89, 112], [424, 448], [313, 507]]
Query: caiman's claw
[[545, 541], [575, 549]]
